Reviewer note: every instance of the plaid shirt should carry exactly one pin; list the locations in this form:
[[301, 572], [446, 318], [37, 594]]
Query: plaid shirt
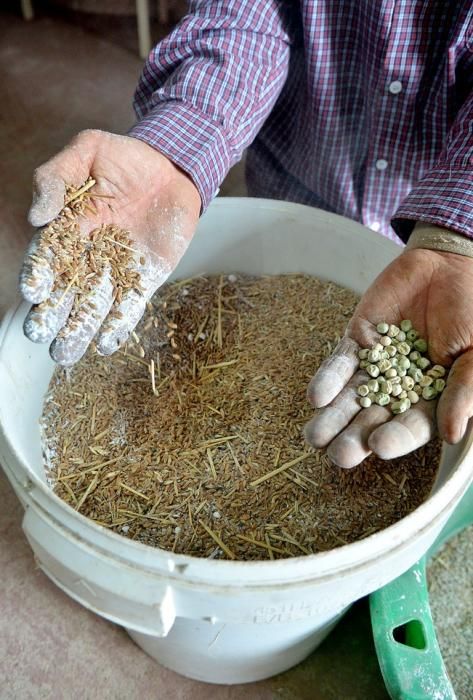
[[360, 107]]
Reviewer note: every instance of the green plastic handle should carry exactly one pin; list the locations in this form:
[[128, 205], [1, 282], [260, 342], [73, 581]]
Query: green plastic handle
[[403, 630], [406, 644]]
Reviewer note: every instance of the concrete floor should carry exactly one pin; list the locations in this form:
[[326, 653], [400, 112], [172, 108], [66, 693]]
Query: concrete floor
[[58, 79]]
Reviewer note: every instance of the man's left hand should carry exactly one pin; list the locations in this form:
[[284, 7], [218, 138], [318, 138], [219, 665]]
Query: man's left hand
[[435, 291]]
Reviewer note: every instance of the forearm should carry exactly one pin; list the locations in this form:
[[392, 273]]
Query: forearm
[[207, 88]]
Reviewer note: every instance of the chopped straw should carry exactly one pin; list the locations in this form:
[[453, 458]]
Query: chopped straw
[[189, 438]]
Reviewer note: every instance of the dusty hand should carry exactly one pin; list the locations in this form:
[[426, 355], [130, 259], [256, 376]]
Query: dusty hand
[[435, 291], [146, 195]]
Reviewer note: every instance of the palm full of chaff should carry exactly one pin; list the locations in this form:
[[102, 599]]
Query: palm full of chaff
[[116, 216]]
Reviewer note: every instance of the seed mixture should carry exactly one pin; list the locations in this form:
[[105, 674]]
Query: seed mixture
[[78, 262], [189, 438], [397, 364], [450, 577]]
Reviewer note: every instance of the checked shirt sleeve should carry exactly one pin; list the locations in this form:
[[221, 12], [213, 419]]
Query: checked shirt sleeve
[[444, 195], [207, 88]]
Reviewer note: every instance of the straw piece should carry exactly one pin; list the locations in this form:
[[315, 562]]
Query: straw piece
[[218, 540], [280, 469]]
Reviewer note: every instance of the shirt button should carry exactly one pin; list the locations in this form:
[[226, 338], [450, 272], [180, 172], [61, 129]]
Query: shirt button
[[375, 226], [381, 164], [395, 87]]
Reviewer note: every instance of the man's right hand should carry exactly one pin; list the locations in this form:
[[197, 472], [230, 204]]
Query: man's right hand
[[146, 195]]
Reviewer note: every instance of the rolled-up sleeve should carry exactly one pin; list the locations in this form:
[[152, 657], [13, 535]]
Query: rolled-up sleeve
[[444, 195], [207, 88]]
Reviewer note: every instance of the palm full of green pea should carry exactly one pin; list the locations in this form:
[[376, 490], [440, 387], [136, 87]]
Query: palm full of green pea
[[435, 291]]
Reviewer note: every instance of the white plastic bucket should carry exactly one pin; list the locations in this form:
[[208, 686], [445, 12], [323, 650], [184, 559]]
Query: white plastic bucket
[[217, 621]]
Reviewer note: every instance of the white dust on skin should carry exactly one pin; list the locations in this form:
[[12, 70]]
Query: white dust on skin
[[36, 279], [78, 332], [117, 330], [334, 373], [44, 322], [48, 197], [154, 272]]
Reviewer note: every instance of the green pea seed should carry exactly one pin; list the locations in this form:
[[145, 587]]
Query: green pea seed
[[437, 371], [439, 385], [363, 354], [373, 356], [407, 383], [415, 373], [429, 393], [391, 350], [373, 370], [393, 331], [382, 328], [412, 335], [404, 348], [400, 406], [373, 385], [384, 365], [403, 362], [364, 364], [423, 362], [382, 399], [406, 325], [385, 386], [414, 356], [401, 337], [363, 390], [390, 373], [413, 396], [365, 402], [420, 344], [396, 390], [385, 340]]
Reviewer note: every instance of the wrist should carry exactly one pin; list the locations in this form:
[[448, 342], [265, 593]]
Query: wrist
[[431, 237]]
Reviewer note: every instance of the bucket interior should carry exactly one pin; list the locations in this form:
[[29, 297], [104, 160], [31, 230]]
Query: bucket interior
[[236, 235]]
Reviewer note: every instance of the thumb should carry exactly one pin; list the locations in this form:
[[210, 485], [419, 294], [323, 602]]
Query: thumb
[[455, 406], [71, 165]]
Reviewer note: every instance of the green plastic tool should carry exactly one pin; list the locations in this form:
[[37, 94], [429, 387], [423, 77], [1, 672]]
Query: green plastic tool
[[404, 634]]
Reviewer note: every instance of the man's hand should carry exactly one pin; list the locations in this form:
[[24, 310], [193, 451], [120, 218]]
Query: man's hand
[[435, 291], [146, 195]]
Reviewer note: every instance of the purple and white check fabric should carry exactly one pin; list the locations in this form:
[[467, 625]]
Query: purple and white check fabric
[[361, 108]]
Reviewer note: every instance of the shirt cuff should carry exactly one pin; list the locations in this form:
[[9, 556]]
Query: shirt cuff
[[193, 142], [443, 197]]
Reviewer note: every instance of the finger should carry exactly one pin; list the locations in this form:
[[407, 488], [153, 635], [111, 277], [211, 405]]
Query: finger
[[334, 373], [331, 420], [351, 446], [71, 165], [36, 276], [45, 320], [456, 402], [117, 329], [73, 340], [406, 432]]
